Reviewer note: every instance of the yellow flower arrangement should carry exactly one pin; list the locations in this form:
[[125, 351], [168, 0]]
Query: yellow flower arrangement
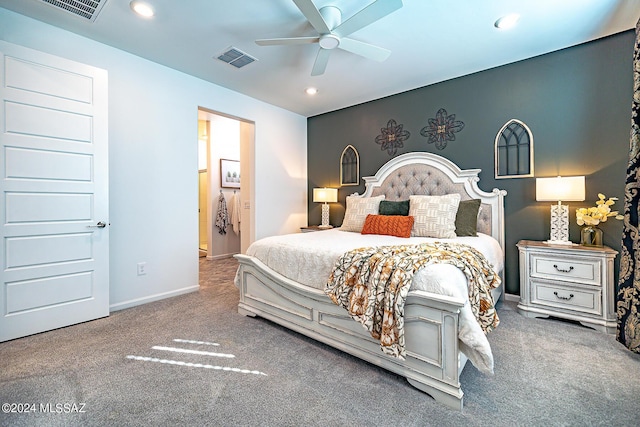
[[599, 213]]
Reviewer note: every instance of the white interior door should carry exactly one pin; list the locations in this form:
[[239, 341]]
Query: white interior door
[[54, 189]]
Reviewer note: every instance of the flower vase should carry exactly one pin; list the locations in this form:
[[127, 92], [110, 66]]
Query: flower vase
[[591, 235]]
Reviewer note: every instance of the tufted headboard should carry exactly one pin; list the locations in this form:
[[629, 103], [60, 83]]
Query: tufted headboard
[[422, 173]]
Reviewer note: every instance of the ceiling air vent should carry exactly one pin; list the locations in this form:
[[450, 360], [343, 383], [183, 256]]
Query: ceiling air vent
[[236, 57], [87, 9]]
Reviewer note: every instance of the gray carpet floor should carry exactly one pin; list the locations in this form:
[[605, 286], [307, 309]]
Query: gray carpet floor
[[125, 370]]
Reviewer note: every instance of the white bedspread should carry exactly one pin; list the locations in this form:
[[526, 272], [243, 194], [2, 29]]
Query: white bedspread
[[308, 258]]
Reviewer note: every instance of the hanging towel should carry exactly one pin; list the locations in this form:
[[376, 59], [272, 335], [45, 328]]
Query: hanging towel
[[234, 212], [222, 218]]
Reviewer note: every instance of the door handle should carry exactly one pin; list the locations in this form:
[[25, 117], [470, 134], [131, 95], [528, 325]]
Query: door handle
[[98, 225]]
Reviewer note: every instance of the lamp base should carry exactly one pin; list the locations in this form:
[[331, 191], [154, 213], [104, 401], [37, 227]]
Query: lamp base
[[559, 223], [325, 216]]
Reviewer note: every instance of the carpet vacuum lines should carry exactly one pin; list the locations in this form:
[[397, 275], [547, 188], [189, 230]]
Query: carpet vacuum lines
[[184, 350], [194, 352]]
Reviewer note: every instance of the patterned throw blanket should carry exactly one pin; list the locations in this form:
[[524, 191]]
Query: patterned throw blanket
[[373, 283]]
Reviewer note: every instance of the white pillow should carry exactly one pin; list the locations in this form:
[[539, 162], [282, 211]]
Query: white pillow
[[357, 210], [434, 216]]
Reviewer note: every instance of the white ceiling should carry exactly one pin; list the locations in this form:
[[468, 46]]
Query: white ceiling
[[431, 41]]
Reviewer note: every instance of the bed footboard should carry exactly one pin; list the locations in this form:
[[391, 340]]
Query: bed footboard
[[433, 363]]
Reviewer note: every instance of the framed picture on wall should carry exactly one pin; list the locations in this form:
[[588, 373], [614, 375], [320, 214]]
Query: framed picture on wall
[[229, 173]]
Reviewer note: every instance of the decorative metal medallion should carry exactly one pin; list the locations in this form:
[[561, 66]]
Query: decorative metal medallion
[[442, 128], [392, 137]]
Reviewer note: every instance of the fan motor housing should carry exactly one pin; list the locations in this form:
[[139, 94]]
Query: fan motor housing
[[332, 16]]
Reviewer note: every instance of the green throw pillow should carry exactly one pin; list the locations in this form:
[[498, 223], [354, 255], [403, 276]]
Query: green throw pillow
[[394, 208], [467, 217]]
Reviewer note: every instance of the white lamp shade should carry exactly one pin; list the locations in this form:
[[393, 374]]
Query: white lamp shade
[[326, 195], [565, 188]]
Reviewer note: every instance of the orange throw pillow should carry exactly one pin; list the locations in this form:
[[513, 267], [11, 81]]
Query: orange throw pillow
[[389, 225]]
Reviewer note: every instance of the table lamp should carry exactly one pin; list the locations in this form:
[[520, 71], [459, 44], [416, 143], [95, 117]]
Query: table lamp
[[567, 189], [325, 195]]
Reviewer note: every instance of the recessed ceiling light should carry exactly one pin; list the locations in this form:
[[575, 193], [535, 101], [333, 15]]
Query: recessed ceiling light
[[142, 8], [311, 91], [507, 21]]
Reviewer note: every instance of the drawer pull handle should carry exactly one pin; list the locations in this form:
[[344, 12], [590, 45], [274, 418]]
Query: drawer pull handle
[[563, 298], [563, 270]]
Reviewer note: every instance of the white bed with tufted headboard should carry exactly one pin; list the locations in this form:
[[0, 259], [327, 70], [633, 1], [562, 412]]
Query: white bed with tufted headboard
[[288, 291]]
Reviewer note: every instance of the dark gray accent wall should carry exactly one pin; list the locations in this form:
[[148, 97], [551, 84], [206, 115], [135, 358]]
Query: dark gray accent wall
[[577, 103]]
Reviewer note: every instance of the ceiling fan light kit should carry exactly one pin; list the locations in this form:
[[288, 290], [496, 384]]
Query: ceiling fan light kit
[[329, 41], [332, 32]]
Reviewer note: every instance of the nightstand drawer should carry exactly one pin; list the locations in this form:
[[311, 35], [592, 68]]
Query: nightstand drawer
[[575, 270], [553, 295]]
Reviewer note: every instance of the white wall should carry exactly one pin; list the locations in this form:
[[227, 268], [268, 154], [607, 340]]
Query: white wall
[[153, 113]]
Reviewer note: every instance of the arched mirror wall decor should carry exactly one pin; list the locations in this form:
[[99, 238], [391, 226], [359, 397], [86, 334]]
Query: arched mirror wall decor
[[349, 166], [514, 151]]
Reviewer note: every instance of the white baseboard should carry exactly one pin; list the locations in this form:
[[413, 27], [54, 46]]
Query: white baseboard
[[151, 298], [223, 256], [511, 297]]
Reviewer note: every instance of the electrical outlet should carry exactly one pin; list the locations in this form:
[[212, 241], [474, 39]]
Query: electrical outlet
[[142, 268]]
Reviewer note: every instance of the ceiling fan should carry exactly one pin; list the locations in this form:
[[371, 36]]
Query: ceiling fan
[[332, 32]]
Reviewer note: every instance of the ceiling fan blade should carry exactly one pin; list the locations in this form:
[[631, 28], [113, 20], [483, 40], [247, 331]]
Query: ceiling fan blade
[[370, 14], [311, 12], [287, 41], [321, 62], [364, 49]]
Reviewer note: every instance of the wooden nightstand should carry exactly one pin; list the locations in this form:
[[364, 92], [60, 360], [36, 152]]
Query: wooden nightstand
[[311, 228], [572, 282]]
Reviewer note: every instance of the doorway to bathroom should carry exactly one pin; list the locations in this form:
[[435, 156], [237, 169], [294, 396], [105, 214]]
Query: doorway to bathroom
[[224, 151]]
